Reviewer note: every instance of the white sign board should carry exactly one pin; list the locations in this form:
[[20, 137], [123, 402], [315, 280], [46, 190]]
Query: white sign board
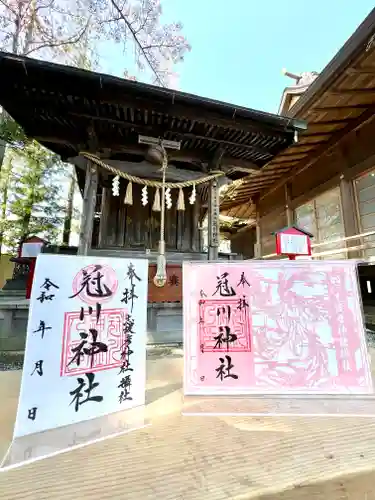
[[293, 244], [86, 341], [32, 249]]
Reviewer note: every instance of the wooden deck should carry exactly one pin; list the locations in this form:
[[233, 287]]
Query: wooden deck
[[200, 458]]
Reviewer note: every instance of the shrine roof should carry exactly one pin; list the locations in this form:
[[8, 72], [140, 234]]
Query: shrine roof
[[296, 228], [58, 105]]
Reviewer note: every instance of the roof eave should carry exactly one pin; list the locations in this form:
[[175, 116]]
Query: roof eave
[[281, 122], [342, 59]]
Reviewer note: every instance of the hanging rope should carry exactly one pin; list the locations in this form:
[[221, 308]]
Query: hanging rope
[[147, 182], [160, 277]]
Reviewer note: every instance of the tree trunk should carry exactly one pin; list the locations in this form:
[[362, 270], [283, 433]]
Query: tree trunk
[[69, 211], [3, 213], [25, 226], [5, 179], [27, 216]]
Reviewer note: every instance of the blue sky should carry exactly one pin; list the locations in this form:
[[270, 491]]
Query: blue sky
[[240, 46]]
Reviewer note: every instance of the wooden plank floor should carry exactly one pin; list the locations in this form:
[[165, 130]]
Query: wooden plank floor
[[200, 458]]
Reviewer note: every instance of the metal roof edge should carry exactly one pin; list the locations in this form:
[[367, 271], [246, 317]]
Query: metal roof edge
[[342, 58]]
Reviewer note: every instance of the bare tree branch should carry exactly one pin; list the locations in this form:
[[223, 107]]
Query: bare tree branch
[[51, 44], [8, 7], [130, 28]]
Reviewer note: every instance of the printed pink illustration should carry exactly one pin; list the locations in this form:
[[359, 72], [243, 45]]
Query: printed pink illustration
[[95, 284], [274, 327], [84, 339]]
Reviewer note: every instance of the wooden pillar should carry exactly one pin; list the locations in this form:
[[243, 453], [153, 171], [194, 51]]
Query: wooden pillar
[[288, 205], [88, 208], [195, 236], [349, 210], [213, 220], [104, 211], [257, 246]]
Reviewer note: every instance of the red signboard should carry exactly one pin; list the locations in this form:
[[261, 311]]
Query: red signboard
[[293, 241], [171, 291]]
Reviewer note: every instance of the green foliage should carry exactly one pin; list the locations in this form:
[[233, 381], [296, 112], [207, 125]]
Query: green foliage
[[31, 189]]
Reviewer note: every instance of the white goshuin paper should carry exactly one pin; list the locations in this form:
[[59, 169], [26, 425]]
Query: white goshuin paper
[[50, 392]]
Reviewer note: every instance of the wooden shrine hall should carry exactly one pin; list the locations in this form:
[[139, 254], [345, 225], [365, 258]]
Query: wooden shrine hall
[[124, 137]]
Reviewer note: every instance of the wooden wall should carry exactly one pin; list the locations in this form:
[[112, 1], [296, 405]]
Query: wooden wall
[[268, 225], [136, 226], [242, 243]]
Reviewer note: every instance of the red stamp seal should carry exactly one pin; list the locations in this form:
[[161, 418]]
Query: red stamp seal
[[83, 342], [95, 284], [224, 325]]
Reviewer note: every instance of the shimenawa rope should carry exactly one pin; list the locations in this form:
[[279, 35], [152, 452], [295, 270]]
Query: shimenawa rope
[[147, 182]]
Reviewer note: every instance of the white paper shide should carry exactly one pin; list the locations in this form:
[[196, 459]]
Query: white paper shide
[[86, 341]]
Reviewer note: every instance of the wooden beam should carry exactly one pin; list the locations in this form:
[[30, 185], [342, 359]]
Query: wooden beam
[[43, 136], [331, 122], [193, 156], [363, 70], [325, 148], [196, 113], [353, 92], [289, 163], [290, 152], [153, 131], [239, 145], [258, 179], [255, 179], [201, 115], [239, 164], [341, 107], [275, 169], [184, 155], [313, 143], [175, 173], [280, 159], [317, 134]]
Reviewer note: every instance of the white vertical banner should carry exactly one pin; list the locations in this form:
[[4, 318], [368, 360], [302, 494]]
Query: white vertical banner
[[85, 354]]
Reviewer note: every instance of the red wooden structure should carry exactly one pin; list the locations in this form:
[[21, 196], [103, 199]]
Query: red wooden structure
[[28, 251], [293, 241]]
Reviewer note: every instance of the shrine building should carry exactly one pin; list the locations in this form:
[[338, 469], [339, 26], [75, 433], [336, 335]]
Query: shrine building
[[123, 137]]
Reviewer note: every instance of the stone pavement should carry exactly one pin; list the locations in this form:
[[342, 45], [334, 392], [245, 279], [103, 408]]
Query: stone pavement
[[200, 458]]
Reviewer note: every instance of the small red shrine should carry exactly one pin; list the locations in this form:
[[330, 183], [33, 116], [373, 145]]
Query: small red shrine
[[28, 251], [293, 241]]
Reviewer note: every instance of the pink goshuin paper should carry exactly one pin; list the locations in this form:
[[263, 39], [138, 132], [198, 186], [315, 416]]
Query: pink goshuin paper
[[280, 327]]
